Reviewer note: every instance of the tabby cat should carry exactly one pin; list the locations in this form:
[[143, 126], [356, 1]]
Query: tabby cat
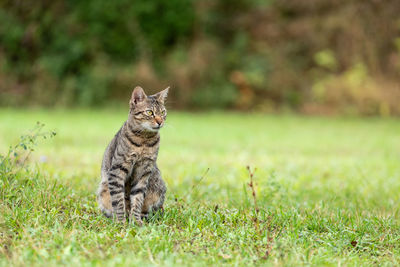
[[131, 183]]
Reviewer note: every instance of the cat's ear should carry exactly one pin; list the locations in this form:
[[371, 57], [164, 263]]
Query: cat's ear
[[162, 96], [138, 96]]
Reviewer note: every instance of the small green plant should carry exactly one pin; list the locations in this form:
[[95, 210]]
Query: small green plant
[[19, 153]]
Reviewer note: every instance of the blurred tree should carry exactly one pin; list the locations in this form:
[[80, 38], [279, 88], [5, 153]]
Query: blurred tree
[[247, 54]]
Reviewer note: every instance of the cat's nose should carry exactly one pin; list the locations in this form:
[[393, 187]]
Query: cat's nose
[[158, 120]]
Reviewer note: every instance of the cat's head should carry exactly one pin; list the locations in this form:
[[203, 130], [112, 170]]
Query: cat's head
[[148, 112]]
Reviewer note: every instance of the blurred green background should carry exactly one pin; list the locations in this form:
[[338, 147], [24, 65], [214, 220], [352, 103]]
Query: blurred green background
[[308, 56]]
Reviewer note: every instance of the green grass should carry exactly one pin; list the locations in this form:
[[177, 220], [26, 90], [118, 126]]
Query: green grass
[[328, 192]]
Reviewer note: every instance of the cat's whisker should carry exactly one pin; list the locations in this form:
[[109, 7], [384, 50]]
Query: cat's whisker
[[168, 125]]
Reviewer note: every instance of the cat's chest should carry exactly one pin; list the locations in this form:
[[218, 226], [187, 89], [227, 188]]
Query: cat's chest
[[139, 148], [138, 154]]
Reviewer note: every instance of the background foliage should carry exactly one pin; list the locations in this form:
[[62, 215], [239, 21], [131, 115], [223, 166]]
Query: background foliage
[[311, 56]]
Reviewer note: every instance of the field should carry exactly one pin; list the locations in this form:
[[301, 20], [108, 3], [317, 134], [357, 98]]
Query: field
[[327, 192]]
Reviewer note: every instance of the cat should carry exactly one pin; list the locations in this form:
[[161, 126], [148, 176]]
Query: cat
[[131, 183]]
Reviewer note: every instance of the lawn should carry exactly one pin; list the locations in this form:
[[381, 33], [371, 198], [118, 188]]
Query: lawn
[[327, 192]]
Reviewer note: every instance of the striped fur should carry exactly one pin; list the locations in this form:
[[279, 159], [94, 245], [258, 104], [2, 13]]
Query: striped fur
[[131, 183]]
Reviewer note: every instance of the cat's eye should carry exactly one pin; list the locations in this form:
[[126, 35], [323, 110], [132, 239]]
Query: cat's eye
[[149, 113], [163, 112]]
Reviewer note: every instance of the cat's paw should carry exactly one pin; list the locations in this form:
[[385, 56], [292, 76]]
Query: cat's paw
[[137, 222], [118, 218]]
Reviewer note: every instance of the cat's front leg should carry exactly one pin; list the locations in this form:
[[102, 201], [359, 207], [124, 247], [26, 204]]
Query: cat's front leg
[[117, 176], [138, 193]]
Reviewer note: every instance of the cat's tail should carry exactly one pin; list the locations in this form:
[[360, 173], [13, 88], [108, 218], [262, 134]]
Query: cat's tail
[[104, 199]]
